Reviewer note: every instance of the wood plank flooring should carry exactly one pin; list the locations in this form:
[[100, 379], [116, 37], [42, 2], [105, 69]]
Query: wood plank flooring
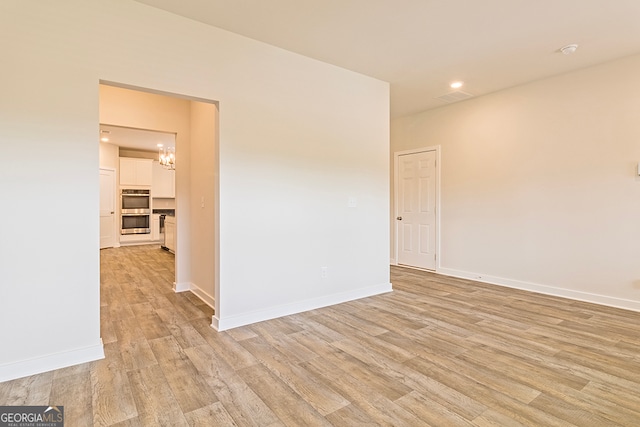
[[437, 351]]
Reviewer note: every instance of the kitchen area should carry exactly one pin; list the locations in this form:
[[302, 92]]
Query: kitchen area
[[145, 190]]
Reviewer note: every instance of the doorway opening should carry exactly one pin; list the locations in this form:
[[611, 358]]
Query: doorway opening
[[144, 195], [187, 196], [417, 207]]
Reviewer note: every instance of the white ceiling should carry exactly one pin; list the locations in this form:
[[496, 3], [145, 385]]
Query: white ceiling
[[421, 46], [137, 139]]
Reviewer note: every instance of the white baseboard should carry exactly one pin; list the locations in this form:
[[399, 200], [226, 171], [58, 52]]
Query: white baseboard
[[204, 296], [181, 287], [297, 307], [543, 289], [38, 365], [215, 322], [196, 290]]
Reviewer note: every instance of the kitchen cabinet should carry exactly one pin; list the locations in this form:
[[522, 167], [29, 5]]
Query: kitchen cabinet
[[163, 183], [170, 233], [155, 227], [135, 172]]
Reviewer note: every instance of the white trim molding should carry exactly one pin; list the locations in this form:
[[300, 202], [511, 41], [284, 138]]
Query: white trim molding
[[196, 290], [181, 287], [24, 368], [204, 296], [298, 307], [543, 289], [215, 322]]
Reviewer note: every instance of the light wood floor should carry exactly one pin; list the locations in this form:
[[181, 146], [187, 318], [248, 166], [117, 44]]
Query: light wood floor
[[437, 351]]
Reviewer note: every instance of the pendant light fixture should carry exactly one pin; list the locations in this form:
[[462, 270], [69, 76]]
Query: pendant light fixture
[[167, 156]]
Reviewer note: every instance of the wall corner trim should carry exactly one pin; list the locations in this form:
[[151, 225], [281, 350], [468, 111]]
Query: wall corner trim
[[182, 287], [222, 324], [49, 362], [215, 322]]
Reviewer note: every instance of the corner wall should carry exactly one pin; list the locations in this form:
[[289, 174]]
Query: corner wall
[[539, 184], [298, 138]]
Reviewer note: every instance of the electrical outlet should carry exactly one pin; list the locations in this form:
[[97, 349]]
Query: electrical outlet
[[324, 272]]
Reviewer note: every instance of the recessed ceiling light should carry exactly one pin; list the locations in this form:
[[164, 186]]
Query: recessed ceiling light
[[104, 139], [456, 85], [159, 145]]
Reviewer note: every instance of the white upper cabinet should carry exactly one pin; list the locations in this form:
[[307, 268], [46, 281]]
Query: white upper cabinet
[[164, 181], [135, 172]]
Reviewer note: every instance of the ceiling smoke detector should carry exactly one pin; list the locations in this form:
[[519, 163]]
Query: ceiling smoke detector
[[569, 49]]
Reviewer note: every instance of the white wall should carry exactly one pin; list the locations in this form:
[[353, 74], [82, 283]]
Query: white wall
[[204, 211], [297, 138], [539, 185], [109, 156]]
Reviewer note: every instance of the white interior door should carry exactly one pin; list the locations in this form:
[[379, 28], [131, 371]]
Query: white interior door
[[107, 208], [416, 210]]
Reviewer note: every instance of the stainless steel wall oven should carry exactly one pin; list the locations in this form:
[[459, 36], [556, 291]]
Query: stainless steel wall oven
[[135, 211], [135, 201]]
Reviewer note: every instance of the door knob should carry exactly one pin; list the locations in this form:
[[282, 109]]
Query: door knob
[[399, 218]]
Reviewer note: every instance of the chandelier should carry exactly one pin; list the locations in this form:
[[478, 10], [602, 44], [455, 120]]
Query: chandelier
[[167, 156]]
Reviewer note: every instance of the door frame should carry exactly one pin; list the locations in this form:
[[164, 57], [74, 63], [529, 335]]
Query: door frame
[[116, 210], [395, 226], [182, 281]]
